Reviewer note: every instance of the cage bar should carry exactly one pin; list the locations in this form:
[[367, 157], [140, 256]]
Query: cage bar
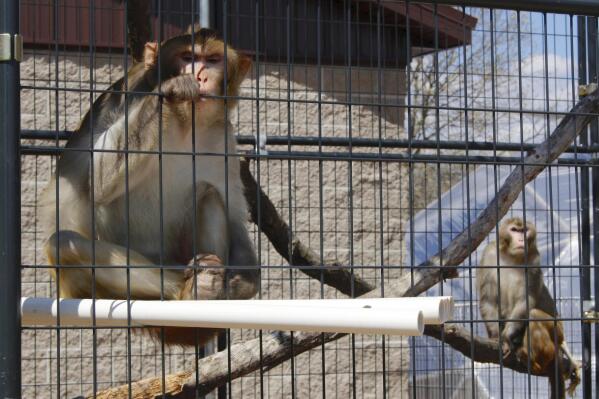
[[10, 282], [380, 143]]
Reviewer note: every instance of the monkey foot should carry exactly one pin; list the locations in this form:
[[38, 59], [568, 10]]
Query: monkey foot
[[204, 278], [205, 260], [506, 349]]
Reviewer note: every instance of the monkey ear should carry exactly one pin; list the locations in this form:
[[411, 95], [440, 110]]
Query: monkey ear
[[150, 54], [245, 63], [193, 28]]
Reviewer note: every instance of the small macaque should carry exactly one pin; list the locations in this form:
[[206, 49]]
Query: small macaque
[[141, 216], [511, 291], [546, 336]]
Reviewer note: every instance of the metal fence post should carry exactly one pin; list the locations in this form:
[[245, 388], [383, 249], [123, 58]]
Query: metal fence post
[[10, 236], [592, 56], [587, 73]]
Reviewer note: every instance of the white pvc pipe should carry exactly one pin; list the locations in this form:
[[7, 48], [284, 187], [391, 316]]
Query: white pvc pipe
[[435, 310], [113, 313]]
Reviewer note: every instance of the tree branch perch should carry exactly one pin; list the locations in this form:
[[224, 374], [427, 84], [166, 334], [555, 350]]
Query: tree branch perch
[[277, 231]]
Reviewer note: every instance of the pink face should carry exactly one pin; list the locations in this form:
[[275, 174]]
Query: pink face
[[207, 69], [518, 236]]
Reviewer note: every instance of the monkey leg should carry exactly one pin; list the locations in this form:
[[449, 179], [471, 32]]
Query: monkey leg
[[243, 276], [571, 367], [542, 354], [488, 311], [566, 349], [224, 233], [542, 349], [68, 248], [568, 355], [537, 351]]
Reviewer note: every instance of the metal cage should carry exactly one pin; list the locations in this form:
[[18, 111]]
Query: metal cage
[[373, 134]]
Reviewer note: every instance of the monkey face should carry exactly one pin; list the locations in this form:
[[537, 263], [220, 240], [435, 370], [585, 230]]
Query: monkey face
[[207, 68], [517, 239], [215, 68]]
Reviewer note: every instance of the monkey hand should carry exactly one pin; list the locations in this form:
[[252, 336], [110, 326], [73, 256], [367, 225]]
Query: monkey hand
[[513, 334], [506, 348], [512, 341], [181, 88], [204, 279]]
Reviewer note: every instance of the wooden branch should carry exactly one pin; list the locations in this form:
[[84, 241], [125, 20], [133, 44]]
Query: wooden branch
[[150, 388], [479, 349], [545, 153], [277, 231], [277, 347]]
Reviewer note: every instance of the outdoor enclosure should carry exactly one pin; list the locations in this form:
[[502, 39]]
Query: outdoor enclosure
[[380, 143]]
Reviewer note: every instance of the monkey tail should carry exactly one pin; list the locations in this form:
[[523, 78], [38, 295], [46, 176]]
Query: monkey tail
[[181, 336]]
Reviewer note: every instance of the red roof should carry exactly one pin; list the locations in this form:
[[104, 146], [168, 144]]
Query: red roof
[[73, 16], [454, 26]]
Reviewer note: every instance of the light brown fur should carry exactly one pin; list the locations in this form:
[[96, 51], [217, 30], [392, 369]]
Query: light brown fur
[[545, 334], [154, 232], [506, 292]]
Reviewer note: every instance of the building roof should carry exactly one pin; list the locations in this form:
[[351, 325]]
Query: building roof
[[454, 26], [450, 26]]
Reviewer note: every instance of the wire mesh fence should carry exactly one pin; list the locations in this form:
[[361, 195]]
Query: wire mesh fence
[[378, 143]]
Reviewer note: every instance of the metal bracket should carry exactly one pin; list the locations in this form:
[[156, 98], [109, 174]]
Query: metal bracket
[[11, 47], [589, 314], [585, 90]]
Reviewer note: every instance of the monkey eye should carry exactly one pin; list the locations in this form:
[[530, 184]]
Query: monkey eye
[[213, 59], [187, 57]]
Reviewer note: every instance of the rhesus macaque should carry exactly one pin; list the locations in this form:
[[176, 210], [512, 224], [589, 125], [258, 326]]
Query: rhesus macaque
[[523, 296], [140, 199], [544, 334]]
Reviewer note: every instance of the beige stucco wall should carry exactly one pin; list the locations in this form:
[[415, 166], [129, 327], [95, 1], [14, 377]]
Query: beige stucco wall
[[272, 115]]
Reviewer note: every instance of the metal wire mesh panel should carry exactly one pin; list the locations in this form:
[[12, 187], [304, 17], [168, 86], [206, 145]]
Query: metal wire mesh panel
[[354, 148]]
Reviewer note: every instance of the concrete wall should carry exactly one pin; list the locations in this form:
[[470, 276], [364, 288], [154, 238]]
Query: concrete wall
[[350, 227]]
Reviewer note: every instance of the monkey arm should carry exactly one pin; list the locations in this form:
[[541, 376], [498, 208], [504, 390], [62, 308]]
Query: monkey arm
[[142, 134], [487, 288], [181, 88], [110, 161], [515, 324], [488, 311]]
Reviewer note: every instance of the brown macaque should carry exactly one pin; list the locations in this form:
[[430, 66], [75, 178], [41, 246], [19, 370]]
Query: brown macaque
[[140, 201], [546, 338], [507, 291]]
